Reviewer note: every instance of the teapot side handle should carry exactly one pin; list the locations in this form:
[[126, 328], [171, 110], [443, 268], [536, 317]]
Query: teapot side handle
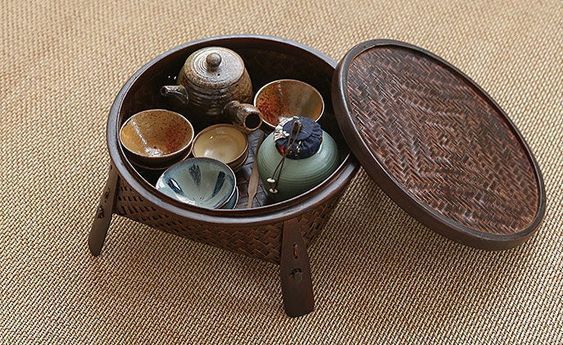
[[246, 116]]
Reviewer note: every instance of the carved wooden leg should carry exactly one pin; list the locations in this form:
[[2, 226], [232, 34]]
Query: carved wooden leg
[[296, 283], [104, 211]]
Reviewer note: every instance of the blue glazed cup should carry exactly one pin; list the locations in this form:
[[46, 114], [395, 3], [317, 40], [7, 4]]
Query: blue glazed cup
[[202, 182]]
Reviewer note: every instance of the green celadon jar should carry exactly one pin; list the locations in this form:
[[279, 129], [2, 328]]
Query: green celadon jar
[[297, 175]]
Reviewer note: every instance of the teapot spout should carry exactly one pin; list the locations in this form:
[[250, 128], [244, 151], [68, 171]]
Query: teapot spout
[[177, 91]]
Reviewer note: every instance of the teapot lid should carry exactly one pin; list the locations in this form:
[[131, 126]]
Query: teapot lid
[[213, 67], [438, 144]]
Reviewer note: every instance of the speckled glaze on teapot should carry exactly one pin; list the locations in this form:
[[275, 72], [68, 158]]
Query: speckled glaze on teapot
[[211, 78]]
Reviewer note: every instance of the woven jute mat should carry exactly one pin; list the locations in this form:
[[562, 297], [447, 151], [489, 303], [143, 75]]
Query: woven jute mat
[[379, 276]]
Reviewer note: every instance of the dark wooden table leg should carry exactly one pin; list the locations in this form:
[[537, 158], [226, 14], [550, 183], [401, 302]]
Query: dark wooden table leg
[[104, 211], [296, 283]]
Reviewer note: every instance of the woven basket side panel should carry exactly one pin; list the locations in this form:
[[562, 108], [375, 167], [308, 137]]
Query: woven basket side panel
[[262, 242], [313, 221]]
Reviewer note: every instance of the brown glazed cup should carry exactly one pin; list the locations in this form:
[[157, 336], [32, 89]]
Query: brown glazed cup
[[156, 138], [287, 98]]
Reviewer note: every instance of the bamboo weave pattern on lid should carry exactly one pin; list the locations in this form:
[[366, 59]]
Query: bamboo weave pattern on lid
[[441, 139]]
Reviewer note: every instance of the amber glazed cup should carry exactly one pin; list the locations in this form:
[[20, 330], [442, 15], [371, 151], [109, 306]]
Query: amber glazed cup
[[156, 138], [287, 98]]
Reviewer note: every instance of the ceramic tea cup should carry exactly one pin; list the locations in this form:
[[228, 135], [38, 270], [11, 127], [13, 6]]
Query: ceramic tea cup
[[203, 182], [286, 98], [157, 138], [223, 142]]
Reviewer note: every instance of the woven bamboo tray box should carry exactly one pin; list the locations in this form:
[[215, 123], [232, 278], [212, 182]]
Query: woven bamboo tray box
[[428, 135]]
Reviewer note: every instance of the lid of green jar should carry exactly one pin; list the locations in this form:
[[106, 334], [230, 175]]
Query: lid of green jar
[[306, 141], [438, 144]]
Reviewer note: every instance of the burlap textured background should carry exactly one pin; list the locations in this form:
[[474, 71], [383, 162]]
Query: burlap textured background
[[379, 276]]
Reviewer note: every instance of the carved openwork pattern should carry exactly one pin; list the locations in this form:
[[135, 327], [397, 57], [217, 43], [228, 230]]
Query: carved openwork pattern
[[442, 140], [263, 242]]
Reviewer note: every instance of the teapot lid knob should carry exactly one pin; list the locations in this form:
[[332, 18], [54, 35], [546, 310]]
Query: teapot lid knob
[[213, 68], [213, 61]]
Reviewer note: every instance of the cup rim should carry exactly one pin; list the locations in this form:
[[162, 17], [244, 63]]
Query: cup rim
[[168, 155], [207, 129], [293, 81], [235, 194]]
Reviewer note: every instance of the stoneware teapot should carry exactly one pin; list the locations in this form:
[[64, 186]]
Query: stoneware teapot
[[296, 157], [213, 85]]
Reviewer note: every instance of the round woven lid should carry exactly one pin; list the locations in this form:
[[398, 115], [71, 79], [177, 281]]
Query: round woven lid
[[438, 145]]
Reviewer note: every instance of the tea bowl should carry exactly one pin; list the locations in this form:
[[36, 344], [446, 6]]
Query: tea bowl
[[286, 98], [156, 138], [223, 142], [203, 182], [232, 202]]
